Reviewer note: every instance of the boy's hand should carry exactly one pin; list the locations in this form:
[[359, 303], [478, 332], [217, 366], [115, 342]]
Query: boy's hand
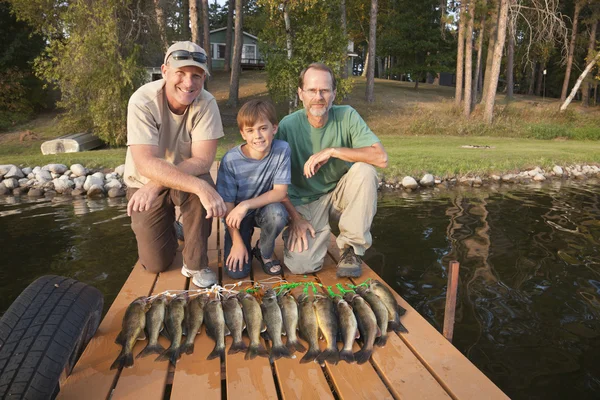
[[238, 256], [235, 217]]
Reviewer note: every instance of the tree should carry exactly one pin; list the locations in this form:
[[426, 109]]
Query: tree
[[470, 15], [496, 61], [185, 20], [493, 30], [161, 23], [369, 95], [478, 69], [578, 5], [587, 69], [228, 36], [510, 57], [458, 92], [194, 21], [234, 83], [585, 92], [344, 31], [206, 29]]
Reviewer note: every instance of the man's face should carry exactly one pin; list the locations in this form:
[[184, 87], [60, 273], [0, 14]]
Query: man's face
[[317, 95], [182, 86]]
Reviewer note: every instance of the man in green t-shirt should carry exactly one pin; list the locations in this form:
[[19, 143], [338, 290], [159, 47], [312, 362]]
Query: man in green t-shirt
[[333, 157]]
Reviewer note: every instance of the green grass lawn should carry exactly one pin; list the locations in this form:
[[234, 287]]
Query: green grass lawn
[[421, 130]]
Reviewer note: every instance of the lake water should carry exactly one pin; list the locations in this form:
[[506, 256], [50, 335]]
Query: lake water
[[528, 309]]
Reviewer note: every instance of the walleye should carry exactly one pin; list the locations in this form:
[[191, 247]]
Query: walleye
[[132, 329], [254, 322], [327, 321], [348, 327], [234, 319], [174, 324], [394, 309], [380, 310], [215, 326], [194, 316], [367, 325], [309, 328], [289, 312], [274, 321], [154, 324]]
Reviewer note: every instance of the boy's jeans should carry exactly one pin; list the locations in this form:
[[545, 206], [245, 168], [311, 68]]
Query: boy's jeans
[[271, 219]]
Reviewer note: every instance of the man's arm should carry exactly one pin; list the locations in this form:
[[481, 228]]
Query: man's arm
[[374, 155]]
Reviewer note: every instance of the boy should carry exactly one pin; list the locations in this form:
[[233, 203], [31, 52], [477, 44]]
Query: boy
[[253, 179]]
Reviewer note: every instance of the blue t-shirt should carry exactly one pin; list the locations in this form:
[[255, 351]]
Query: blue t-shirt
[[241, 178]]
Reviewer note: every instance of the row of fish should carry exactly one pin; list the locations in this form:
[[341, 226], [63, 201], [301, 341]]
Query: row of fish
[[369, 314]]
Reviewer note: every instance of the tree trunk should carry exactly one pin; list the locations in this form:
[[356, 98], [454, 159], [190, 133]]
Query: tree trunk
[[587, 86], [579, 80], [458, 91], [185, 20], [565, 87], [206, 31], [494, 73], [493, 21], [477, 79], [366, 66], [379, 67], [540, 80], [595, 93], [468, 58], [236, 65], [369, 92], [228, 36], [161, 22], [443, 18], [510, 56], [345, 33], [532, 82], [292, 96], [194, 21]]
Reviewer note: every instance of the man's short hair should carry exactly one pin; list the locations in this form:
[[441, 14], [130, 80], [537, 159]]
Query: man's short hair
[[320, 67], [254, 110]]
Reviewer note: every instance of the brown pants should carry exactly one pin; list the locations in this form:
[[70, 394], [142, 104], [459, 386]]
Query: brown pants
[[155, 233]]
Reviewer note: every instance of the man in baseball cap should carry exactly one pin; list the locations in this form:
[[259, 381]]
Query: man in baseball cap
[[172, 129]]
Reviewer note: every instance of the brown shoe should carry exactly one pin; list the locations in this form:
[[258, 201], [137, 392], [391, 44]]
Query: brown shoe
[[350, 264]]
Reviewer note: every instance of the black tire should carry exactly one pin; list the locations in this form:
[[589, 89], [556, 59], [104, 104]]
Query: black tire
[[43, 333]]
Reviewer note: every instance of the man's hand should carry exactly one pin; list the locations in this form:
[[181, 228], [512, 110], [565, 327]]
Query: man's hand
[[211, 201], [316, 161], [298, 239], [143, 198], [235, 217], [237, 257]]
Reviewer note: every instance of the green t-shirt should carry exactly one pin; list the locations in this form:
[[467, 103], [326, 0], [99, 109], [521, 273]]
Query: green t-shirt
[[344, 128]]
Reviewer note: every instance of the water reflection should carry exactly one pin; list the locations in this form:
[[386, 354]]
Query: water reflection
[[529, 302]]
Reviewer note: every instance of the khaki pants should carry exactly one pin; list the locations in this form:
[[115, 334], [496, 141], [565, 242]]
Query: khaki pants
[[155, 233], [354, 203]]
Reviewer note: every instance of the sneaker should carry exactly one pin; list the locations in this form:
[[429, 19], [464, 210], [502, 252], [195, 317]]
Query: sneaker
[[203, 278], [350, 264], [178, 230]]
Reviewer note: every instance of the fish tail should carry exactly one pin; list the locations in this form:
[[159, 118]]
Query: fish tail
[[123, 360], [363, 355], [347, 356], [187, 348], [256, 350], [381, 340], [172, 354], [332, 356], [218, 351], [237, 347], [310, 355], [400, 310], [294, 346], [397, 326], [280, 351], [151, 349]]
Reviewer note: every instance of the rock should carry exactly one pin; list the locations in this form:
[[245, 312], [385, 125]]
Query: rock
[[78, 170], [409, 182], [116, 192], [557, 170], [55, 175], [496, 178], [61, 185], [110, 176], [57, 168], [11, 183], [465, 181], [36, 170], [67, 191], [23, 182], [477, 182], [427, 180], [79, 181], [31, 175], [508, 178], [578, 175], [112, 184], [63, 177], [99, 175], [49, 193], [77, 192], [92, 180], [18, 191], [48, 185], [3, 189], [4, 169], [539, 178], [120, 170], [95, 191], [26, 171], [43, 176], [14, 172], [35, 192]]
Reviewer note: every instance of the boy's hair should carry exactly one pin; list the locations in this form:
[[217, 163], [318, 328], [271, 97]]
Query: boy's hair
[[253, 110], [320, 67]]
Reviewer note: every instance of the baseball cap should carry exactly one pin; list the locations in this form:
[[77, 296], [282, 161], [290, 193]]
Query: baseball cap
[[187, 54]]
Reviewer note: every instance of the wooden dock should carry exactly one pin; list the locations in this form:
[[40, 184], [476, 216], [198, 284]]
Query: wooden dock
[[420, 364]]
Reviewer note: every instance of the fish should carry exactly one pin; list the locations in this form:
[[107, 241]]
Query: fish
[[193, 321], [309, 327], [348, 328], [274, 320], [380, 310], [328, 324], [394, 309], [174, 328], [215, 327], [289, 312], [132, 329], [254, 323], [367, 325], [155, 317], [234, 319]]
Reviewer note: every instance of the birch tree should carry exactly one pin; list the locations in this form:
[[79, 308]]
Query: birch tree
[[563, 94], [587, 69]]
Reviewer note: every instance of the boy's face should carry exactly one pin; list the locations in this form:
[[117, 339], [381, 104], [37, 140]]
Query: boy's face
[[259, 137]]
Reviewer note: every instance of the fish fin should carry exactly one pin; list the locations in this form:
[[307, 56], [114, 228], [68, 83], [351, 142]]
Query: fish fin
[[256, 350], [332, 356], [237, 347], [397, 327], [171, 354], [363, 355], [400, 310], [123, 360], [347, 356], [184, 330], [310, 355], [265, 335], [381, 340], [120, 338], [156, 349], [165, 333], [280, 351], [187, 348], [283, 331], [295, 346], [141, 335], [227, 331], [264, 327], [217, 352], [357, 335]]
